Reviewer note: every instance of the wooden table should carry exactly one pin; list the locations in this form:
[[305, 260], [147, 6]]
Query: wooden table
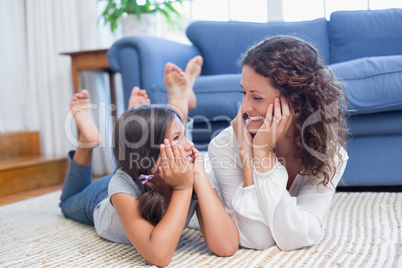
[[92, 60]]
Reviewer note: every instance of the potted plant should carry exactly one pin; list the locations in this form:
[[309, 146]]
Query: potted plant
[[119, 9]]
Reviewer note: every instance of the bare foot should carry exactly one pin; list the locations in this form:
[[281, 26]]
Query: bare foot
[[176, 85], [193, 70], [138, 97], [81, 110]]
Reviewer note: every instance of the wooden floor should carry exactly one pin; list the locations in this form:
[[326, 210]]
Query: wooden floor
[[12, 198], [8, 199]]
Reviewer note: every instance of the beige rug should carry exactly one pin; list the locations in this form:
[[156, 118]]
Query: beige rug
[[362, 230]]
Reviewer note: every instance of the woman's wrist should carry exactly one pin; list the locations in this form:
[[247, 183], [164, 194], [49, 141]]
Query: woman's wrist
[[264, 161], [246, 154], [266, 151]]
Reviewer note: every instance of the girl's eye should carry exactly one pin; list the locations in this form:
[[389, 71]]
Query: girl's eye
[[176, 138], [257, 98], [243, 92]]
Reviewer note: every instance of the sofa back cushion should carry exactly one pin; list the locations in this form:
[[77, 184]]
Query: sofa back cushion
[[222, 43], [366, 33], [372, 84]]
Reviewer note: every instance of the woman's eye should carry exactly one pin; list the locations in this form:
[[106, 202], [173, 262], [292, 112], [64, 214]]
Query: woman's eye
[[176, 138], [243, 92], [257, 98]]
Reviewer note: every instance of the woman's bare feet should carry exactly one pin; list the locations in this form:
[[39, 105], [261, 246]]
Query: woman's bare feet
[[138, 97], [81, 110], [176, 84], [193, 70]]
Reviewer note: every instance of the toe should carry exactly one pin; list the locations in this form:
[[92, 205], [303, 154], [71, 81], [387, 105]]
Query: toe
[[84, 94]]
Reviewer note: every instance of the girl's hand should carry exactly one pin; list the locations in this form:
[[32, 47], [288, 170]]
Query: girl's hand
[[276, 124], [243, 136], [176, 170]]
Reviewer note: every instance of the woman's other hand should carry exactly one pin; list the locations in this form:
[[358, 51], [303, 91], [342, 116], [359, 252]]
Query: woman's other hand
[[276, 124], [245, 140], [243, 136]]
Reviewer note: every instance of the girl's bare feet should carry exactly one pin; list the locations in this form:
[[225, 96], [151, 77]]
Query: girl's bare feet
[[193, 70], [176, 85], [138, 97], [81, 110]]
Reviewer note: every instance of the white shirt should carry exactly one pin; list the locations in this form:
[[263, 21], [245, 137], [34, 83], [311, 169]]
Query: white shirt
[[266, 213]]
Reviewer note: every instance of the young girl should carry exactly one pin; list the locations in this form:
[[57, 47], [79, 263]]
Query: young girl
[[151, 198]]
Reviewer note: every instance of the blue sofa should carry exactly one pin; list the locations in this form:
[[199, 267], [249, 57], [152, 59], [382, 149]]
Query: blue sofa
[[362, 48]]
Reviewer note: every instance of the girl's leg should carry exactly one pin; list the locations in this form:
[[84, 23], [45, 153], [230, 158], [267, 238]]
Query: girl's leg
[[79, 174], [80, 195]]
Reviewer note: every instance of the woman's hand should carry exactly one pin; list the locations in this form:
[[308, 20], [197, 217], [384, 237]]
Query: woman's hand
[[243, 136], [245, 141], [175, 170], [276, 124]]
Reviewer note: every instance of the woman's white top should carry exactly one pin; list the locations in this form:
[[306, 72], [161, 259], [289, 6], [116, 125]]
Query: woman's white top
[[266, 213]]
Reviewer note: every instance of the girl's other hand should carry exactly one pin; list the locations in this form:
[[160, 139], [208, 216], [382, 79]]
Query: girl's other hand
[[175, 170], [198, 163]]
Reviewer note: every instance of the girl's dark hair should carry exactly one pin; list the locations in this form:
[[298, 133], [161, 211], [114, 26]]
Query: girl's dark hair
[[296, 69], [137, 135]]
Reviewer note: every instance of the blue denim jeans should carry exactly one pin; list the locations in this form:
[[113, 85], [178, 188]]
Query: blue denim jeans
[[80, 195]]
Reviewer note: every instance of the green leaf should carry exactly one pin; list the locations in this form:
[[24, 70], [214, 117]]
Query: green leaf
[[116, 8]]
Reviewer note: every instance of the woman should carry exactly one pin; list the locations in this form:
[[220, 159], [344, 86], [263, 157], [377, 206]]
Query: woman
[[150, 199], [279, 162]]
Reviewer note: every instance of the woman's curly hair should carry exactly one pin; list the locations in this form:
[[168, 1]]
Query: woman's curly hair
[[296, 69]]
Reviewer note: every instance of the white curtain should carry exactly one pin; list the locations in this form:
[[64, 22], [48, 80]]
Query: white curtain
[[35, 80]]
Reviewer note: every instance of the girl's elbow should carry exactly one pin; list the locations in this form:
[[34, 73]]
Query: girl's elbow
[[227, 251], [160, 260], [224, 250], [159, 263]]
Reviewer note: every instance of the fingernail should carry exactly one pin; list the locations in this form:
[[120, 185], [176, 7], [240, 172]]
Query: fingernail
[[276, 99], [162, 146], [166, 141]]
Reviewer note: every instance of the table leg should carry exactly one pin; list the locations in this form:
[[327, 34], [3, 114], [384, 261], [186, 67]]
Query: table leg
[[75, 75], [112, 95]]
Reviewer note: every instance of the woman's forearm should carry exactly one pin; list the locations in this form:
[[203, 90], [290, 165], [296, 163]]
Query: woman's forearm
[[247, 168]]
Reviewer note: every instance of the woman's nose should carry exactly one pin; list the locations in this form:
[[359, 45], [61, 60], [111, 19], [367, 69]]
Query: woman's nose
[[246, 107]]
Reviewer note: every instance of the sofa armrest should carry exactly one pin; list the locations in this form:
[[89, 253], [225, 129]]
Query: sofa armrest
[[141, 59]]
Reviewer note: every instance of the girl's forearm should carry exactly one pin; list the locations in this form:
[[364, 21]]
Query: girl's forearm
[[219, 230], [166, 234]]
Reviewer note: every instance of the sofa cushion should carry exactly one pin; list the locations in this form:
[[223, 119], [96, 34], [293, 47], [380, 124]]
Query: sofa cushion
[[218, 97], [222, 43], [372, 84], [367, 33]]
